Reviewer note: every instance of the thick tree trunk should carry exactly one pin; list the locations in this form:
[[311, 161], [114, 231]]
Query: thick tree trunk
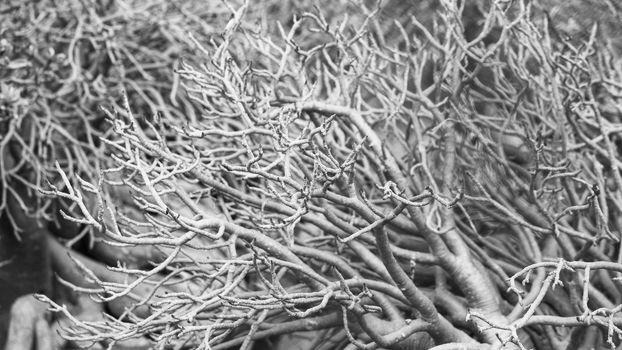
[[25, 264]]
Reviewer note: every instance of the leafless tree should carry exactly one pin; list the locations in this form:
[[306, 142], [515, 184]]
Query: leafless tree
[[379, 182]]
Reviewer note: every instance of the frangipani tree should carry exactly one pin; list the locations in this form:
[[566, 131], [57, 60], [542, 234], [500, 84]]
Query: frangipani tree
[[390, 183]]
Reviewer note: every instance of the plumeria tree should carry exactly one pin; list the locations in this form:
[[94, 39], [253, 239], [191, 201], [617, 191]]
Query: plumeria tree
[[359, 178]]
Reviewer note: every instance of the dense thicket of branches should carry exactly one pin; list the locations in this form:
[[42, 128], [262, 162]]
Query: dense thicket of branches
[[436, 175]]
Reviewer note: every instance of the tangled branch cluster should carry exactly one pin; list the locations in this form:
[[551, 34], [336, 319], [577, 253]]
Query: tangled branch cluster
[[385, 183], [60, 60]]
